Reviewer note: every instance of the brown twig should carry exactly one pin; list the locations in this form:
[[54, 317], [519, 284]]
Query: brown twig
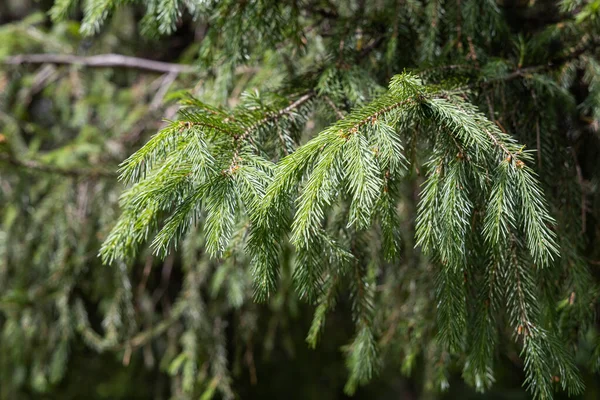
[[165, 279], [282, 140], [331, 104], [447, 67], [249, 359], [459, 43], [373, 117], [472, 53], [166, 83], [146, 274], [583, 191], [490, 107], [497, 142], [538, 140], [238, 140], [303, 99]]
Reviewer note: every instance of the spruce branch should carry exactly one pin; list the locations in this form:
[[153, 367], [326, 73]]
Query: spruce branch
[[438, 255], [205, 167]]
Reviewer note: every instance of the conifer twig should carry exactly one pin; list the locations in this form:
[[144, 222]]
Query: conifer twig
[[493, 137], [273, 116], [374, 116], [239, 139], [333, 107], [582, 188], [145, 337]]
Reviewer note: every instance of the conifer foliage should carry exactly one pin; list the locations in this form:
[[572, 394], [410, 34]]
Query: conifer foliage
[[421, 163]]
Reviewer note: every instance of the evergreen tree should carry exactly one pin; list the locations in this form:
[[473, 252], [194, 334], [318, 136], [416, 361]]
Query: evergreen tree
[[422, 172]]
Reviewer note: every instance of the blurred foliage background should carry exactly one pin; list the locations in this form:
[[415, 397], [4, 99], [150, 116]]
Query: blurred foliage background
[[69, 126], [187, 326]]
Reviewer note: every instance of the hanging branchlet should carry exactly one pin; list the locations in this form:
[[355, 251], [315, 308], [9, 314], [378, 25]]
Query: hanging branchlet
[[209, 157], [357, 157]]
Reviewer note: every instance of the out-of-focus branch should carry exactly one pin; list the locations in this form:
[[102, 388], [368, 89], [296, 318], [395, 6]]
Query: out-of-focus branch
[[577, 51], [100, 61], [37, 166]]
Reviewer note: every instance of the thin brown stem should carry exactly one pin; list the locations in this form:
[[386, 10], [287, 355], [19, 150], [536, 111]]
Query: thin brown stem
[[493, 138], [582, 188], [335, 109], [238, 140], [373, 117]]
